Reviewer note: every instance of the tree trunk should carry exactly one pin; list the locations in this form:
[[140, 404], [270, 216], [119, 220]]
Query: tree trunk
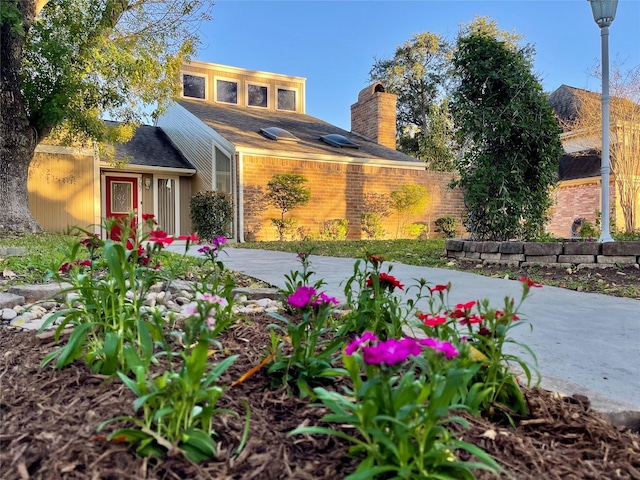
[[18, 139]]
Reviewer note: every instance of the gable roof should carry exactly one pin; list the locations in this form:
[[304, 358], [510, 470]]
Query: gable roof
[[579, 165], [151, 147], [564, 102], [241, 126]]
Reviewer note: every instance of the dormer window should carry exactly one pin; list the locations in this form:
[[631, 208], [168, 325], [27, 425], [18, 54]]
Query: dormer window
[[278, 134], [226, 91], [257, 95], [194, 86], [287, 99], [340, 141]]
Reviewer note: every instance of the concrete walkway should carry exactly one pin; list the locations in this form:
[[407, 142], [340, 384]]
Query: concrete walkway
[[585, 343]]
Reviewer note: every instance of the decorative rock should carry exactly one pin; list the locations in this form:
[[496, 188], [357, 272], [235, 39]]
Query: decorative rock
[[182, 300], [10, 300], [35, 293], [8, 314]]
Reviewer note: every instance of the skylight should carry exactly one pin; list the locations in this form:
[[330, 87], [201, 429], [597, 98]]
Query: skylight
[[278, 134], [339, 141]]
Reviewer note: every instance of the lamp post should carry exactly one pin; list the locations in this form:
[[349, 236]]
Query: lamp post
[[604, 12]]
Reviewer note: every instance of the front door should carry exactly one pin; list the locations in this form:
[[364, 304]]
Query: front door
[[121, 198]]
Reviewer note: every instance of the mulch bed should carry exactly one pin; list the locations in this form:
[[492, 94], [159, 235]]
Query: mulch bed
[[49, 420]]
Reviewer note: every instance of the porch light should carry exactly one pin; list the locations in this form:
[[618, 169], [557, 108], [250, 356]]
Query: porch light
[[604, 12]]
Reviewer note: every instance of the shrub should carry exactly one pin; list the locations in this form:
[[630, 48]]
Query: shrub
[[417, 230], [447, 226], [376, 207], [334, 229], [286, 191], [406, 201], [212, 213]]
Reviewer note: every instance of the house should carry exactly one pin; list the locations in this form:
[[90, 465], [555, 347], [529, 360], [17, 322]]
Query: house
[[579, 191], [232, 129]]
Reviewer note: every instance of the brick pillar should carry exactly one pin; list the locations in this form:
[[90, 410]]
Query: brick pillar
[[374, 115]]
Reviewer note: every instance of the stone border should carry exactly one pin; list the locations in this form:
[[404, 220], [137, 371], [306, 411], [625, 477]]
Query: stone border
[[561, 254]]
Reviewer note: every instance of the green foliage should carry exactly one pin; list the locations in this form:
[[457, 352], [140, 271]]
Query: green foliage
[[509, 135], [82, 59], [334, 229], [406, 201], [447, 226], [286, 192], [376, 207], [10, 15], [212, 213], [417, 230], [400, 413], [417, 74]]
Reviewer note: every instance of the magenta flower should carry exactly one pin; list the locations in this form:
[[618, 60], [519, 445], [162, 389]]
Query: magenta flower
[[323, 299], [441, 346], [302, 297], [359, 341], [391, 351]]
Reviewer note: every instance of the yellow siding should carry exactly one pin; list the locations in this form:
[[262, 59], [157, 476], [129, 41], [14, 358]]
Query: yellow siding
[[61, 190], [185, 203]]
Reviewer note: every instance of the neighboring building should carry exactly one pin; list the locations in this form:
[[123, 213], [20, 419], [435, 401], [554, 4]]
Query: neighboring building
[[579, 192]]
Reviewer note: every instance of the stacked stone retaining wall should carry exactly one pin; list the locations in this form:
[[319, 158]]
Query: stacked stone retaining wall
[[561, 254]]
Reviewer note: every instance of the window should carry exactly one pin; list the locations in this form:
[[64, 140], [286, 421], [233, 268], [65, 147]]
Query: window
[[340, 141], [193, 86], [227, 91], [257, 95], [121, 197], [286, 99]]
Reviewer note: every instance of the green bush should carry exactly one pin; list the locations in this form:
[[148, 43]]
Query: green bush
[[447, 225], [371, 224], [417, 230], [334, 229], [211, 214]]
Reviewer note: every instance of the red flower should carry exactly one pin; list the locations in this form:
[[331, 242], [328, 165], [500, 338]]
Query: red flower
[[158, 236], [148, 216], [473, 319], [431, 321], [466, 306], [390, 282], [530, 283], [190, 238], [375, 260], [440, 288]]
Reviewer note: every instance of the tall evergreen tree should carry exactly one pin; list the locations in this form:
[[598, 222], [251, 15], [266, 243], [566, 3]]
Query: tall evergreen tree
[[509, 136]]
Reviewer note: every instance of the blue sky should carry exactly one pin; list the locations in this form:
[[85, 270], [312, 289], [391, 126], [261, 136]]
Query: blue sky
[[334, 43]]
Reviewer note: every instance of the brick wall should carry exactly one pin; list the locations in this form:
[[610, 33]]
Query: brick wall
[[337, 191], [576, 199]]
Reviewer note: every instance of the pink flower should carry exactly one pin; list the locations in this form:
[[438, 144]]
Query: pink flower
[[391, 351], [301, 297], [466, 306], [323, 298], [211, 322], [441, 346], [359, 341]]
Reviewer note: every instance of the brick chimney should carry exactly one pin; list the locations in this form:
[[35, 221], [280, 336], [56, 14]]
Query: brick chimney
[[374, 115]]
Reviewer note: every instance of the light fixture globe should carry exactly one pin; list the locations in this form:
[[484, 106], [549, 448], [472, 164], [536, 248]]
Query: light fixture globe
[[604, 11]]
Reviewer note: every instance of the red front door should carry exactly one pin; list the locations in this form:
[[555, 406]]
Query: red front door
[[121, 199]]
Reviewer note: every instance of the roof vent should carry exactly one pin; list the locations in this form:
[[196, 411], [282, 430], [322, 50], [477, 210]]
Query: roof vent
[[278, 134], [339, 141]]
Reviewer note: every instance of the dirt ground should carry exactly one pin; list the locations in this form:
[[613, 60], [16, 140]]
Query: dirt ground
[[49, 420], [617, 281]]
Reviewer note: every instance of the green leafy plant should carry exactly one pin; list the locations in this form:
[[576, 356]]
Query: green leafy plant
[[212, 213], [286, 192], [306, 359], [105, 300], [406, 201], [447, 226], [376, 207], [335, 229], [486, 332], [404, 395]]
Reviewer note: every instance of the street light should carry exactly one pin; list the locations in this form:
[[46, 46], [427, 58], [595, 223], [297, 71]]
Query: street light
[[604, 12]]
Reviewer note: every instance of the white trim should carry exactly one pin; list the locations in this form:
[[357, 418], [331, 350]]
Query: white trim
[[374, 162], [59, 149], [97, 191], [244, 71], [247, 84], [193, 74], [230, 80], [240, 199], [291, 89], [187, 172]]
